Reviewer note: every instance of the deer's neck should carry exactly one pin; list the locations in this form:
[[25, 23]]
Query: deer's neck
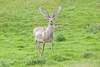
[[50, 28]]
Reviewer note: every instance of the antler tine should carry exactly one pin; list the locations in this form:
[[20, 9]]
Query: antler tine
[[44, 14], [56, 12], [47, 14], [59, 9], [41, 12]]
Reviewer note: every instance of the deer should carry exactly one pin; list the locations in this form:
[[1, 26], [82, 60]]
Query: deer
[[45, 34]]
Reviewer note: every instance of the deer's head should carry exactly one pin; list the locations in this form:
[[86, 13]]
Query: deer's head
[[50, 18]]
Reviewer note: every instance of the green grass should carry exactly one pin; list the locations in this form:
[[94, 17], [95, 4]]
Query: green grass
[[79, 21]]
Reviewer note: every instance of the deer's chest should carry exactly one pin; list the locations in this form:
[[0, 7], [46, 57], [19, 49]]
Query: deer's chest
[[49, 37]]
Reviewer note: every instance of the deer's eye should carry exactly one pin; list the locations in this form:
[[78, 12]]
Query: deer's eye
[[50, 21]]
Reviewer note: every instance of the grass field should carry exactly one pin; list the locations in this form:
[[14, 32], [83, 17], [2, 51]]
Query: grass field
[[79, 21]]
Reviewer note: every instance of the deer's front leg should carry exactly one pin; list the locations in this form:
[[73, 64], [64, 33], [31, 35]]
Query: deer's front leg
[[51, 45]]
